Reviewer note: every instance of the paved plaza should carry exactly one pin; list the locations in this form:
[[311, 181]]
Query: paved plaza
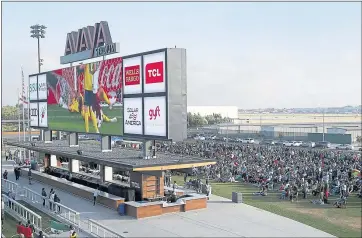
[[222, 218]]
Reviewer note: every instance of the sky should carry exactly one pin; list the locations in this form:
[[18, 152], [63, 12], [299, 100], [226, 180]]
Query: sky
[[250, 55]]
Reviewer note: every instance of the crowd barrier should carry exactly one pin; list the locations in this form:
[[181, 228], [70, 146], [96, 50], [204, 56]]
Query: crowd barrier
[[13, 207], [7, 185], [62, 211], [101, 231]]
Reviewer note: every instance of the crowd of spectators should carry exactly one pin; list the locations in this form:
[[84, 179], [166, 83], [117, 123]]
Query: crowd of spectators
[[292, 170]]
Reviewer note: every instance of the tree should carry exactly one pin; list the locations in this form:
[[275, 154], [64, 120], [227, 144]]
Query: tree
[[195, 120]]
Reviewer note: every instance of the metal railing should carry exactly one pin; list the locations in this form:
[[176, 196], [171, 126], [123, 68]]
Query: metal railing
[[9, 185], [60, 210], [101, 231], [12, 206]]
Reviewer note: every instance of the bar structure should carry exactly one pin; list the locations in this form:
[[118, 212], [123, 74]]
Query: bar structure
[[147, 174]]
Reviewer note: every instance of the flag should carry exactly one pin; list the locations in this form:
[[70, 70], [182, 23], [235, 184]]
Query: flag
[[22, 96]]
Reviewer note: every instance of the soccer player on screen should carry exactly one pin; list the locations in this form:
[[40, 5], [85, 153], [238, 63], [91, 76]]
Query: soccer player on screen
[[89, 95], [77, 107]]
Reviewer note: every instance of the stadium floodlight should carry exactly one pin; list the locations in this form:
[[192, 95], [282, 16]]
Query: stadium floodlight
[[38, 31]]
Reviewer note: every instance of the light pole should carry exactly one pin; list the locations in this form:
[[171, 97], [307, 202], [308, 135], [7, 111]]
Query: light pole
[[37, 31], [323, 124]]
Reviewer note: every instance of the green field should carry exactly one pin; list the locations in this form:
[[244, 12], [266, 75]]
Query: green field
[[335, 221], [61, 119], [9, 226]]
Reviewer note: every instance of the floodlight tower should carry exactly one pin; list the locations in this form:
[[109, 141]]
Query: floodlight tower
[[38, 31]]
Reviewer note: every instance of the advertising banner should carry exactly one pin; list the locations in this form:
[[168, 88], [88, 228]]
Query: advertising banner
[[132, 75], [34, 114], [33, 88], [155, 116], [154, 72], [133, 116], [87, 98], [43, 114], [42, 87]]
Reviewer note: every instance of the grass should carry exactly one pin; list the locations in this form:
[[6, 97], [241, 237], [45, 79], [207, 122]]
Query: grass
[[61, 119], [338, 222], [9, 226]]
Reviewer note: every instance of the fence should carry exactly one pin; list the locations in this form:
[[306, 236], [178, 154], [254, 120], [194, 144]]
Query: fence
[[13, 207], [67, 214], [63, 212], [101, 231], [7, 185]]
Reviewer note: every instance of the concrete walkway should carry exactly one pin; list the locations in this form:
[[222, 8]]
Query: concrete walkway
[[83, 206], [221, 218]]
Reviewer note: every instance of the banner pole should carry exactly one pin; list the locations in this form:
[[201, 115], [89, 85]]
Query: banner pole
[[29, 126], [19, 114]]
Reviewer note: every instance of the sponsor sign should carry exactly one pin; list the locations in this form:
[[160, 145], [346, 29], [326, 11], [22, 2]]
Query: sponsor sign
[[155, 116], [33, 88], [42, 87], [133, 116], [89, 42], [43, 114], [132, 75], [154, 72], [34, 114]]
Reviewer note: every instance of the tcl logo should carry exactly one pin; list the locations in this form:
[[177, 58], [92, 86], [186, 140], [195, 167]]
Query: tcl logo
[[154, 72], [154, 113]]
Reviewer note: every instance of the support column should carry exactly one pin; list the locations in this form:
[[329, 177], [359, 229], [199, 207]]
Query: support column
[[53, 161], [48, 138], [106, 144], [149, 149], [73, 140], [106, 173], [59, 135], [74, 165], [41, 135]]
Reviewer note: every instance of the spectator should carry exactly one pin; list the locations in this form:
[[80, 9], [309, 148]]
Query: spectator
[[57, 200], [71, 230], [44, 195], [95, 195], [51, 201], [28, 224], [5, 174], [41, 235], [29, 175], [74, 235]]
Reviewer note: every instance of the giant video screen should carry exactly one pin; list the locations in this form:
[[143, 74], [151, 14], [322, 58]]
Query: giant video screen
[[86, 98]]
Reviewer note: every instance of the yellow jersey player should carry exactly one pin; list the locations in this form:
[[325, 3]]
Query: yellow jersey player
[[77, 103], [89, 96]]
